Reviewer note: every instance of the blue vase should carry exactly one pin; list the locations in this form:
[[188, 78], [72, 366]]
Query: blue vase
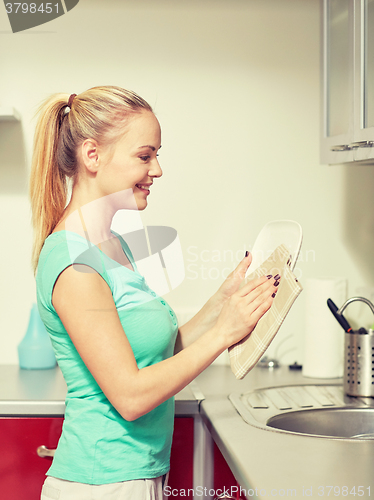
[[35, 351]]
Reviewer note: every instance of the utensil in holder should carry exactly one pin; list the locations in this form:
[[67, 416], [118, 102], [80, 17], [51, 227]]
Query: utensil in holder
[[358, 357]]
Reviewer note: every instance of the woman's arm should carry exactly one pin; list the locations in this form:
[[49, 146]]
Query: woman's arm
[[86, 308]]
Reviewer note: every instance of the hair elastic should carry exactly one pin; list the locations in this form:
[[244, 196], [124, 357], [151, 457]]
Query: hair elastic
[[71, 99]]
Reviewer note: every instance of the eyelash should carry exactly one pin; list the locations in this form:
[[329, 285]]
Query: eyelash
[[146, 157]]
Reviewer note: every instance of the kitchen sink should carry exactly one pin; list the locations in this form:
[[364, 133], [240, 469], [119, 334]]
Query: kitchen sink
[[330, 422], [310, 410]]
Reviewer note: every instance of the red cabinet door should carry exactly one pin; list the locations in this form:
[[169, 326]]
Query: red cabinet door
[[22, 471], [181, 459], [224, 480]]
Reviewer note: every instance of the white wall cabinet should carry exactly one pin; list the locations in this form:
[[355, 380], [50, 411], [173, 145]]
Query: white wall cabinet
[[347, 83]]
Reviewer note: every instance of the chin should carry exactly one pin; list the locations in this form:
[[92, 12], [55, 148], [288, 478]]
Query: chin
[[142, 205]]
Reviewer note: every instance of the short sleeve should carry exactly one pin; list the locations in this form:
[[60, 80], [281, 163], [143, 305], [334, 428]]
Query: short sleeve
[[58, 254]]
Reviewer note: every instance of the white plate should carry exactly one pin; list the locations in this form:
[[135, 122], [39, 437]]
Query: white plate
[[273, 234]]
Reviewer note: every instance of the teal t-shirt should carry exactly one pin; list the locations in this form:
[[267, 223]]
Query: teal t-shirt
[[97, 445]]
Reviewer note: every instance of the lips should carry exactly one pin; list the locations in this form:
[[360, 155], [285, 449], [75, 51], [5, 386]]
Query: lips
[[144, 187]]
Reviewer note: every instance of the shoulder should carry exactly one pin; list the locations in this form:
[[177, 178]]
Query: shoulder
[[60, 249], [54, 253], [64, 249], [79, 285]]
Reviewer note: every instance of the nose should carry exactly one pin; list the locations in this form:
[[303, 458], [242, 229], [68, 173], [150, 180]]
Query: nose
[[155, 169]]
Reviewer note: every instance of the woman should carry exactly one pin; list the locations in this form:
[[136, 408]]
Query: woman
[[117, 343]]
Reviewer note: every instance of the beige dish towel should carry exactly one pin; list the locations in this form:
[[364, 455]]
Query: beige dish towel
[[245, 354]]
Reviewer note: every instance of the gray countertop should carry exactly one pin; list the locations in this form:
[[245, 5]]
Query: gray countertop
[[42, 392], [272, 463]]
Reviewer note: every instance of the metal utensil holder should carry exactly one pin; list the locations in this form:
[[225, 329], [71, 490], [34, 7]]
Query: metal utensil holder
[[358, 358]]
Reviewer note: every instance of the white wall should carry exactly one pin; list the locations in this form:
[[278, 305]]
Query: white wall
[[235, 85]]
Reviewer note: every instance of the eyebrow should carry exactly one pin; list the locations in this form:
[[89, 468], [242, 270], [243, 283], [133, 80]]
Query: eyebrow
[[148, 146]]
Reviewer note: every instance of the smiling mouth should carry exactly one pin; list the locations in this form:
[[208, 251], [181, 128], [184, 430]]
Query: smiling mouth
[[143, 186]]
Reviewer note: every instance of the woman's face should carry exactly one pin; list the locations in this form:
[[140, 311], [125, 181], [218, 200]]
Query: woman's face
[[134, 164]]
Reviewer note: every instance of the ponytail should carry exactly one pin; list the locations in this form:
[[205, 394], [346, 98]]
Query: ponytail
[[48, 187], [99, 113]]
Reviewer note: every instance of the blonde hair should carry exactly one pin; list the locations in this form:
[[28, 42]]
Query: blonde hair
[[99, 113]]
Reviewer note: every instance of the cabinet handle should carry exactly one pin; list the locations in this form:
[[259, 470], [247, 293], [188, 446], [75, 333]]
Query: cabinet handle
[[362, 144], [43, 451], [341, 147]]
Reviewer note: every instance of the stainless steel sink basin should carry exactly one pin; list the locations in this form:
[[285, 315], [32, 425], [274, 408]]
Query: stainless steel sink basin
[[343, 422], [309, 410]]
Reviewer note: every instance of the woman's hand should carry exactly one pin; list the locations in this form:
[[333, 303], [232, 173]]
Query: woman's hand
[[234, 279], [243, 309]]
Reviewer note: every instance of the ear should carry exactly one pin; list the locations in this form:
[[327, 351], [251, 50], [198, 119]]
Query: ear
[[90, 155]]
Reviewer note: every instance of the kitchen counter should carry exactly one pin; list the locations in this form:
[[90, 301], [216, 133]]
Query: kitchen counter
[[271, 463], [42, 392]]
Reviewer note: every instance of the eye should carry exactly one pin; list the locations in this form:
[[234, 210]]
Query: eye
[[144, 158]]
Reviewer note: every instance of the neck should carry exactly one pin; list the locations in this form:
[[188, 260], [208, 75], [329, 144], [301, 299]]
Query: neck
[[92, 217]]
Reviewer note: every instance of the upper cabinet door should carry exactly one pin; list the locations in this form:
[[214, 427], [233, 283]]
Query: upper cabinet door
[[337, 81], [347, 90], [364, 78]]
